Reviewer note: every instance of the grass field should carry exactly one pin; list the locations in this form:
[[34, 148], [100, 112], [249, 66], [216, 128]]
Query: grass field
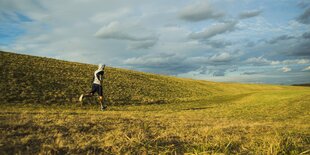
[[147, 113], [267, 122]]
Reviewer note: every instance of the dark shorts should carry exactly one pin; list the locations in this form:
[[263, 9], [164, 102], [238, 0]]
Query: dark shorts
[[96, 88]]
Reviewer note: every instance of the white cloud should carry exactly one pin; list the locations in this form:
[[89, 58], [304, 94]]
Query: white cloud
[[138, 36], [249, 14], [222, 57], [296, 61], [214, 30], [106, 17], [259, 61], [199, 11], [289, 62], [285, 69], [154, 60], [116, 30], [263, 61], [306, 69]]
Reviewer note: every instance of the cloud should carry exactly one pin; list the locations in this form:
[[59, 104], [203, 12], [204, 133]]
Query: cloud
[[215, 70], [249, 14], [306, 69], [103, 17], [13, 17], [153, 60], [164, 37], [295, 61], [285, 69], [251, 72], [304, 18], [258, 61], [218, 43], [20, 6], [288, 46], [222, 57], [214, 30], [175, 64], [117, 31], [139, 37], [261, 61], [280, 38], [163, 63], [306, 35], [219, 73], [199, 11], [250, 44], [303, 4], [142, 44], [301, 49]]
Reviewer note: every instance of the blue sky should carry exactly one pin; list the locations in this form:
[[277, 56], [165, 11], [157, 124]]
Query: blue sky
[[252, 41]]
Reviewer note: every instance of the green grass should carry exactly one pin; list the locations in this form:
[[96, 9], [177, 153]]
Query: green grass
[[147, 113]]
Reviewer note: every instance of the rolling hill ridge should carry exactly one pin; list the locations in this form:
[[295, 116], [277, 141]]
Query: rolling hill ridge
[[32, 79]]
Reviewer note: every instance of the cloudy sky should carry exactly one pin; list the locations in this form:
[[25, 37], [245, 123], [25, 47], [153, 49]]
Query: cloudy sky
[[253, 41]]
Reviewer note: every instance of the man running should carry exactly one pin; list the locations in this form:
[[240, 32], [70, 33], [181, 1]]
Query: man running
[[96, 86]]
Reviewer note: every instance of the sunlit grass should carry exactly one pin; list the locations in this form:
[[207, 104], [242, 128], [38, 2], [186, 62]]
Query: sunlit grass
[[147, 113], [29, 79], [268, 122]]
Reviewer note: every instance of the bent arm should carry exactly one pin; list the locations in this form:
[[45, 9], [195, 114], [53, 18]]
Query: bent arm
[[100, 75]]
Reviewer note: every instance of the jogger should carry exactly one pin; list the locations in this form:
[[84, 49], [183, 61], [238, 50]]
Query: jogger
[[96, 86]]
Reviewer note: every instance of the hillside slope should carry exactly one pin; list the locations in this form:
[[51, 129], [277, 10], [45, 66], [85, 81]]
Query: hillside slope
[[31, 79]]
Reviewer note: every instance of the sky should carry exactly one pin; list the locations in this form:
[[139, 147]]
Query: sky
[[248, 41]]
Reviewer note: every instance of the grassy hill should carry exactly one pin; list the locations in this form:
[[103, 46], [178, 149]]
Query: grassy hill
[[303, 84], [31, 79], [200, 117]]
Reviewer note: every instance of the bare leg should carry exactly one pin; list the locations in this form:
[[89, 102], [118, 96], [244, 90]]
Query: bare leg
[[85, 95], [100, 99], [88, 95]]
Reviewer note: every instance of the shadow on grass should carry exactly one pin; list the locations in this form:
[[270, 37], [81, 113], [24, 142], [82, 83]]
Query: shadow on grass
[[199, 108]]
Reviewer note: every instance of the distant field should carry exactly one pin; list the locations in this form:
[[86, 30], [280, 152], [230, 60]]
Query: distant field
[[147, 113]]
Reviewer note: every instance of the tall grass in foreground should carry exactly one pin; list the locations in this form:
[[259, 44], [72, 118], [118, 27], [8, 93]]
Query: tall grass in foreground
[[268, 122]]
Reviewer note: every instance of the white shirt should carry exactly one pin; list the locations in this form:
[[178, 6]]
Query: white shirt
[[98, 77]]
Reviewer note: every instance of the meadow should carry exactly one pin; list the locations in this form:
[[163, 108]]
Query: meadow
[[147, 113]]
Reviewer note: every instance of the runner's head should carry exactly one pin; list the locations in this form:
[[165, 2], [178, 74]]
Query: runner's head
[[101, 67]]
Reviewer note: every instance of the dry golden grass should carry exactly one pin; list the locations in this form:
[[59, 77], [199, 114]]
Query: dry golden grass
[[268, 122], [30, 79], [147, 113]]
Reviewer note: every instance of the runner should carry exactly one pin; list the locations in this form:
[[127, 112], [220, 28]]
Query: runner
[[96, 86]]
